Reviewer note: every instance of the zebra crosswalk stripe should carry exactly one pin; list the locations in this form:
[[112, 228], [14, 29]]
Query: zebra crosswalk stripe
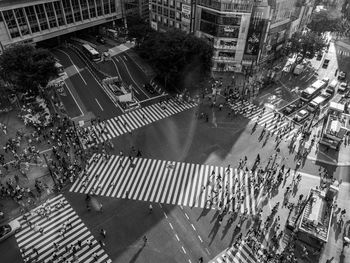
[[133, 120], [176, 183], [267, 118], [243, 254], [29, 238]]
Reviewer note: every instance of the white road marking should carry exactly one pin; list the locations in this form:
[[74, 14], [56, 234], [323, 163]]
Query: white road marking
[[193, 227], [73, 64], [200, 238], [178, 239], [82, 113], [183, 250], [99, 104], [171, 226]]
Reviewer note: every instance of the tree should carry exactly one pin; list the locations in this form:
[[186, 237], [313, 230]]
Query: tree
[[322, 22], [26, 67], [171, 52], [306, 44], [137, 28]]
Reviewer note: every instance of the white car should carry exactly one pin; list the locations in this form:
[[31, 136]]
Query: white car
[[9, 229], [301, 115]]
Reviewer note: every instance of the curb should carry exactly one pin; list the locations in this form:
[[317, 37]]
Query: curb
[[328, 162]]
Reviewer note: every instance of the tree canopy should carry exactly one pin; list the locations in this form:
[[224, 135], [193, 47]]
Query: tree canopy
[[137, 28], [26, 67], [322, 22], [307, 44], [172, 52]]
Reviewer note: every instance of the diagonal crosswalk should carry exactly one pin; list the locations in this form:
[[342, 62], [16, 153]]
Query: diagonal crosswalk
[[252, 112], [243, 254], [130, 121], [176, 183], [62, 226]]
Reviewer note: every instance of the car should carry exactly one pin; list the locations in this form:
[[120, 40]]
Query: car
[[326, 95], [342, 75], [9, 229], [326, 80], [149, 88], [319, 55], [343, 87], [325, 63], [290, 108], [301, 115]]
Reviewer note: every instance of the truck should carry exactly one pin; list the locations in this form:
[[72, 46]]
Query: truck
[[111, 33]]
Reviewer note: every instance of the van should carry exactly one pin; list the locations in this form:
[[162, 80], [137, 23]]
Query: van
[[333, 84], [316, 103]]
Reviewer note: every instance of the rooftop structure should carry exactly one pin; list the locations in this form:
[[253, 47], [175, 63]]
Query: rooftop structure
[[317, 215]]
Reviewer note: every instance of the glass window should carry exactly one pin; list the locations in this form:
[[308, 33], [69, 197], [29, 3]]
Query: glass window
[[165, 21], [99, 7], [154, 8], [171, 23], [84, 9], [106, 6], [178, 15], [33, 22], [159, 10], [159, 19], [172, 4], [59, 13], [67, 11], [51, 14], [76, 10], [165, 11], [172, 14], [178, 25], [11, 23], [166, 2], [154, 18], [178, 5], [92, 8], [41, 16], [21, 20], [160, 2], [113, 9]]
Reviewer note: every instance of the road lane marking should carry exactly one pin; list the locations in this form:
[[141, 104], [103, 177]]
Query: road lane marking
[[178, 239], [183, 249], [188, 218], [133, 79], [193, 227], [99, 104], [165, 215], [73, 64], [82, 113], [117, 68], [208, 251], [200, 238], [125, 58], [171, 226]]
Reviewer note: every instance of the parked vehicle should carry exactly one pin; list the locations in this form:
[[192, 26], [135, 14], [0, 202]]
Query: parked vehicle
[[325, 63], [100, 39], [290, 108], [301, 115], [298, 69], [342, 75], [9, 229], [319, 55], [343, 87], [316, 103], [325, 80]]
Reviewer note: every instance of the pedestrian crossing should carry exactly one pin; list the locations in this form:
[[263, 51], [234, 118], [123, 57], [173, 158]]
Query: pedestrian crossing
[[242, 254], [60, 225], [267, 119], [132, 120], [175, 183]]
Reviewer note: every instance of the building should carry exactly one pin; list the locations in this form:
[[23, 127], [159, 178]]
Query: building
[[137, 8], [37, 20], [243, 33], [315, 222]]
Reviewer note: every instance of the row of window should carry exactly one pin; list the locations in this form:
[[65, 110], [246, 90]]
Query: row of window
[[166, 12], [166, 21], [171, 3], [32, 19]]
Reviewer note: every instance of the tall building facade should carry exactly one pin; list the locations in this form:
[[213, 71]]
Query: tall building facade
[[37, 20], [244, 33]]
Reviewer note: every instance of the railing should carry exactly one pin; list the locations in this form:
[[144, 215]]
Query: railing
[[232, 5]]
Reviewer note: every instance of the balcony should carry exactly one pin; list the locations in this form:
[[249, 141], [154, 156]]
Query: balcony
[[225, 47], [223, 59]]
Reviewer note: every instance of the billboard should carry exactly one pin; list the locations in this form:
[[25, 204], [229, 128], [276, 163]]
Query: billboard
[[255, 33], [186, 13]]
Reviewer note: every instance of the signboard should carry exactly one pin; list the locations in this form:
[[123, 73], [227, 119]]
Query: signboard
[[186, 13], [255, 33], [229, 29]]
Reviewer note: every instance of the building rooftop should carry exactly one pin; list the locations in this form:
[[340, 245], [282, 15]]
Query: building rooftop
[[338, 126], [317, 214]]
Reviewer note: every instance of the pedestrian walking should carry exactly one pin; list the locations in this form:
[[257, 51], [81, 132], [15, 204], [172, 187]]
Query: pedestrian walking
[[150, 209], [144, 240], [103, 233]]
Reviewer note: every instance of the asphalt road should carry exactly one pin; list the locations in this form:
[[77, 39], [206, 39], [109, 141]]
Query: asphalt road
[[87, 87]]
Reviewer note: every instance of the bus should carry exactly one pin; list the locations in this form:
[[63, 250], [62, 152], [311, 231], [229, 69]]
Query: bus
[[317, 103], [91, 53], [111, 33], [60, 69], [312, 91]]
